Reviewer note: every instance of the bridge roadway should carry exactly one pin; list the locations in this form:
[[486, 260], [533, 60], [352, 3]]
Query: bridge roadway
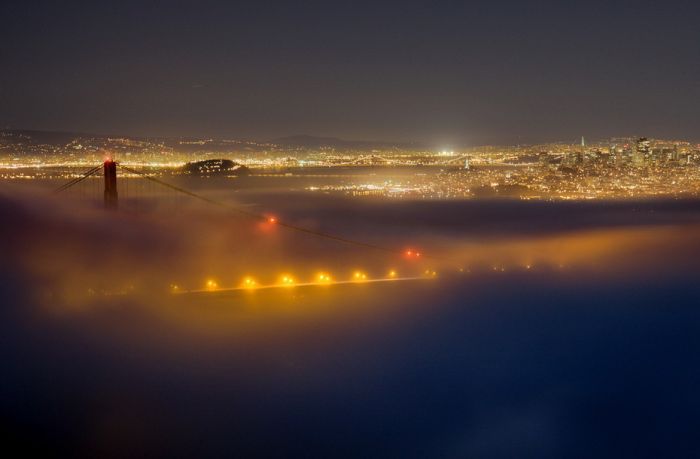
[[302, 284]]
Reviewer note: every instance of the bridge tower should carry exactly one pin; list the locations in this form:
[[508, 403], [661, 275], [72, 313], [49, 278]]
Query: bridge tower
[[111, 196]]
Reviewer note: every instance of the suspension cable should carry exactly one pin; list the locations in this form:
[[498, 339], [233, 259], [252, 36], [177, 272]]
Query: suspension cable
[[262, 217], [77, 180]]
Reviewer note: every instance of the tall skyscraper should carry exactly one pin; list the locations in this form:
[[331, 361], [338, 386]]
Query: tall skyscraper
[[643, 151]]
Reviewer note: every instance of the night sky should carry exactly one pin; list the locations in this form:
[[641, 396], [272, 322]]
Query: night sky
[[447, 74]]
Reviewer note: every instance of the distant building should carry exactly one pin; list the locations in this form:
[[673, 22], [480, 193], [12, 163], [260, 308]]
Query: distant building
[[642, 153], [620, 154], [675, 156]]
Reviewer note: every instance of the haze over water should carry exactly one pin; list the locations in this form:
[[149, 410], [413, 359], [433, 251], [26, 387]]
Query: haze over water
[[571, 330]]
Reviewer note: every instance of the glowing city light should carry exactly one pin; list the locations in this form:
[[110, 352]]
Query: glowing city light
[[272, 220], [212, 284], [323, 278], [392, 274]]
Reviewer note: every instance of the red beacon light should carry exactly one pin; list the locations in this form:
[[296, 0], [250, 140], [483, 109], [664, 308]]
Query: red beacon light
[[267, 223], [412, 254]]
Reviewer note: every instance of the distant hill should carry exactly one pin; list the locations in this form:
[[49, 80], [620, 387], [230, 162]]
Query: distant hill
[[42, 137], [28, 137], [215, 167], [36, 137], [309, 141]]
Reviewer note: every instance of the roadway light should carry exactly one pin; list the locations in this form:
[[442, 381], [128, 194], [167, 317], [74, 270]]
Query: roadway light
[[287, 280], [249, 282]]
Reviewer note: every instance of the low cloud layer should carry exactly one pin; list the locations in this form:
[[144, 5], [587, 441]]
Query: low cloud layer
[[581, 352]]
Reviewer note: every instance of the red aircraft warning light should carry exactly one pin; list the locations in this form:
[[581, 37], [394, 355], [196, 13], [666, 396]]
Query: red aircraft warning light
[[412, 254]]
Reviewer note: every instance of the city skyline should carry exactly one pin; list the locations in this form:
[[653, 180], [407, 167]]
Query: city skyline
[[317, 141]]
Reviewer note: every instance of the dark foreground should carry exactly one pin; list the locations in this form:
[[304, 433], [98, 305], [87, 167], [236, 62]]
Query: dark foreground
[[465, 369]]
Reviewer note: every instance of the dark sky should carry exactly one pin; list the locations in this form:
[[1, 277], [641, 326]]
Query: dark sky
[[450, 73]]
